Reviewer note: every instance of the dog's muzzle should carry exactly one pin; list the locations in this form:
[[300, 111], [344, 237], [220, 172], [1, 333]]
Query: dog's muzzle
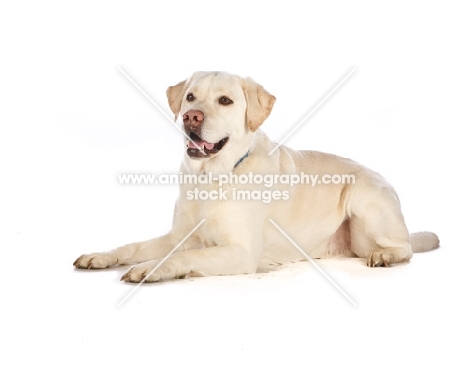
[[198, 147]]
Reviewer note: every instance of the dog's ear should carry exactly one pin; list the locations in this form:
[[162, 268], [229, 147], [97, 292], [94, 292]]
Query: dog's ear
[[259, 103], [174, 97]]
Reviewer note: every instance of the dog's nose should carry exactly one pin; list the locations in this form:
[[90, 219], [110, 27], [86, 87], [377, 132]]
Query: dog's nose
[[193, 118]]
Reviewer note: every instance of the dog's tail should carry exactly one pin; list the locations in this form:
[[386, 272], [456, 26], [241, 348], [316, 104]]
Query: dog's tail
[[423, 241]]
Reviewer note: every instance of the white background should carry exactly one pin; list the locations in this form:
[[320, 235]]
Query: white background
[[70, 122]]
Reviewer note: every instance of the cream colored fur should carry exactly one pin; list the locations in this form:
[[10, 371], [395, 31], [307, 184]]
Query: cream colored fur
[[363, 219]]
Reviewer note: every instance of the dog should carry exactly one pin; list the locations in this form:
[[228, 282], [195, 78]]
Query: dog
[[220, 115]]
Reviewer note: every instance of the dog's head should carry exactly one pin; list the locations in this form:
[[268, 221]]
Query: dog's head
[[217, 110]]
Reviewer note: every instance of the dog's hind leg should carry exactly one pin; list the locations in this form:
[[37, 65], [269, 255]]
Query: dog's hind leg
[[378, 230]]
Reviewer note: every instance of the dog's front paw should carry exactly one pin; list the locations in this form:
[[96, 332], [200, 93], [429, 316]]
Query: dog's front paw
[[152, 271], [380, 257], [95, 261]]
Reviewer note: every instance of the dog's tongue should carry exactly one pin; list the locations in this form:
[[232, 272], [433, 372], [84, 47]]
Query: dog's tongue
[[201, 143]]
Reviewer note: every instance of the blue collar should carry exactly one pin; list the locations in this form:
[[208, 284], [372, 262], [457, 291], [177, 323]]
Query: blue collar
[[241, 159]]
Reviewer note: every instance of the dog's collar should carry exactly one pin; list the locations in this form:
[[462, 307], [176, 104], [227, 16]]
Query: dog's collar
[[241, 159]]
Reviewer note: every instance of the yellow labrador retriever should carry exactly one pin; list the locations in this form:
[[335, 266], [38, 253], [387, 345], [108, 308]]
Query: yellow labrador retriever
[[245, 219]]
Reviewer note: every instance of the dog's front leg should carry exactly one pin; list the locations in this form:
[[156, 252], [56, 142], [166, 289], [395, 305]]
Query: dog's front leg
[[227, 259], [131, 253]]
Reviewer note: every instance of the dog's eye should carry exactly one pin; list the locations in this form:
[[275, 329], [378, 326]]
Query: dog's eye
[[190, 97], [224, 100]]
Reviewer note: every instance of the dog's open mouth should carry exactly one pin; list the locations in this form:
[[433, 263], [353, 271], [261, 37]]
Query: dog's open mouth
[[196, 145]]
